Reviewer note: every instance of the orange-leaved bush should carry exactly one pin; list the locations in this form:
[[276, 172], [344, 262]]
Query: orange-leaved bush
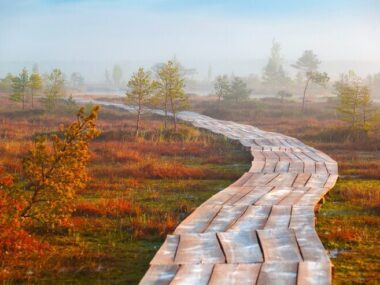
[[15, 242], [55, 169]]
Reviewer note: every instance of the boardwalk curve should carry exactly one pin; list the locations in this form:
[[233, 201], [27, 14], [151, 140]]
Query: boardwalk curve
[[259, 230]]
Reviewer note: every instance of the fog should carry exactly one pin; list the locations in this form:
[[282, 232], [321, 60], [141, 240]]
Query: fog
[[232, 37]]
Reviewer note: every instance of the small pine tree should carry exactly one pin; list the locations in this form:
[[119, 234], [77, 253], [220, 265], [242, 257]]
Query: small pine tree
[[19, 86], [171, 90], [56, 168], [54, 89], [140, 93], [35, 84]]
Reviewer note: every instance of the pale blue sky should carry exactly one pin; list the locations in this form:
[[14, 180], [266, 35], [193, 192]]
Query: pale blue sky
[[198, 30]]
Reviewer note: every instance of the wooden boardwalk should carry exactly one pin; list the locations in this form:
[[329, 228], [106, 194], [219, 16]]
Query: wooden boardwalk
[[260, 229]]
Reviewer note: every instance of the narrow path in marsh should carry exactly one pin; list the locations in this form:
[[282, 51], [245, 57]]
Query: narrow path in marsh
[[260, 229]]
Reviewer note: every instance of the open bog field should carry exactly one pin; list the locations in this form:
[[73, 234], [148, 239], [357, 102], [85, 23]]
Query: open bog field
[[139, 191]]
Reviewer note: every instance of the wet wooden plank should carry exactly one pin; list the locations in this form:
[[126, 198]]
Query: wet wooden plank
[[243, 179], [279, 217], [191, 274], [317, 181], [199, 248], [254, 195], [284, 180], [282, 166], [274, 196], [254, 218], [166, 253], [159, 275], [331, 180], [257, 166], [296, 167], [275, 273], [279, 245], [226, 217], [241, 247], [310, 245], [302, 217], [321, 168], [235, 274], [314, 273], [239, 195], [301, 180], [312, 197], [293, 197], [261, 179], [199, 220]]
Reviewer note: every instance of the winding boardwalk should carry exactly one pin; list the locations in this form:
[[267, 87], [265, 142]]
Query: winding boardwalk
[[259, 230]]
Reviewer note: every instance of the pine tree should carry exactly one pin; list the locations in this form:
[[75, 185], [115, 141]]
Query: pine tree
[[56, 168], [35, 84], [355, 104], [54, 89], [171, 90], [221, 87], [140, 93], [308, 65], [19, 86]]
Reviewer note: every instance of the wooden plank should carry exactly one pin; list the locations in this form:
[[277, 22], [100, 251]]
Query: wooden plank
[[293, 197], [317, 181], [331, 180], [241, 247], [240, 182], [261, 179], [254, 195], [254, 218], [199, 220], [235, 274], [310, 245], [282, 166], [257, 166], [191, 274], [314, 273], [279, 217], [239, 195], [279, 245], [159, 275], [226, 217], [284, 180], [275, 273], [166, 253], [274, 196], [296, 167], [302, 217], [321, 168], [199, 248], [301, 180], [309, 166], [312, 197]]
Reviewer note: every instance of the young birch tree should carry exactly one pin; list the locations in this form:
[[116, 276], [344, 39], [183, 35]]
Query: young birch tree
[[140, 92]]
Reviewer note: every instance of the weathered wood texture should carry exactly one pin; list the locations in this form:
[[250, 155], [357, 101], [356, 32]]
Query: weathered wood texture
[[260, 229]]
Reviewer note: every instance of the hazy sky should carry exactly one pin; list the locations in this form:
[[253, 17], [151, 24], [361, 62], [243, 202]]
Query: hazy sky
[[198, 30]]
